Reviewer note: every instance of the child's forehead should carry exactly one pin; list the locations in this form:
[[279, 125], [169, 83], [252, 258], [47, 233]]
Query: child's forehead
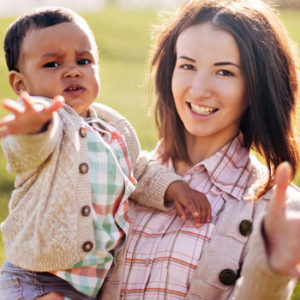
[[68, 34]]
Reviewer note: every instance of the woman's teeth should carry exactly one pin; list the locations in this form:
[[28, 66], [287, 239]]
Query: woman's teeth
[[202, 110]]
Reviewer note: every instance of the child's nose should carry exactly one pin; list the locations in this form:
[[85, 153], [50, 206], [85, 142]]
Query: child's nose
[[72, 72]]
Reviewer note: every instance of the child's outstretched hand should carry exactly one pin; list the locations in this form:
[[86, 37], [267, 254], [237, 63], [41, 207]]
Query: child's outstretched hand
[[187, 199], [27, 119]]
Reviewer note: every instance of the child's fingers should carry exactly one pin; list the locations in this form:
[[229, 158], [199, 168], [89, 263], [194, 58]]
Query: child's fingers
[[7, 120], [13, 107], [57, 103], [25, 97], [192, 208], [180, 211], [282, 180], [206, 213]]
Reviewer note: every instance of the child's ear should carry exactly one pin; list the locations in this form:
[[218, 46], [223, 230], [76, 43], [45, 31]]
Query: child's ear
[[16, 81]]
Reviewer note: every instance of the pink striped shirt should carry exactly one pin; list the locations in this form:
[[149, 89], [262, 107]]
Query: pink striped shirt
[[163, 251]]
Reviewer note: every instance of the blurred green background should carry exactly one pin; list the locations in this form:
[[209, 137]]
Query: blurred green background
[[124, 40]]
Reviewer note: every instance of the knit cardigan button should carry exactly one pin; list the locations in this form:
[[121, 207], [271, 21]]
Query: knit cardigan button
[[227, 277], [85, 210], [87, 246], [82, 132], [83, 168], [246, 227]]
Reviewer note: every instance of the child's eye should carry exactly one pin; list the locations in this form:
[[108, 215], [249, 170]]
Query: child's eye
[[84, 61], [187, 67], [51, 64], [225, 73]]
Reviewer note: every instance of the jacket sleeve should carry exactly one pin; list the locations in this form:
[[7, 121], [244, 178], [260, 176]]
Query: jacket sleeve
[[153, 178], [258, 281]]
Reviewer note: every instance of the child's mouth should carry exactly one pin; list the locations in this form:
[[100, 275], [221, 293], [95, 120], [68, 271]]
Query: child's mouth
[[75, 88]]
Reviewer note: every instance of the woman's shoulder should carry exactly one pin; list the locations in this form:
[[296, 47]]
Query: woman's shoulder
[[258, 176]]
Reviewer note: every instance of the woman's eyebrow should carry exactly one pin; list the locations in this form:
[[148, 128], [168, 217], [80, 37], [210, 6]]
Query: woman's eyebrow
[[187, 58], [225, 63]]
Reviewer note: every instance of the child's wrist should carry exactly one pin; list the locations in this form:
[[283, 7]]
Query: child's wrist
[[44, 127]]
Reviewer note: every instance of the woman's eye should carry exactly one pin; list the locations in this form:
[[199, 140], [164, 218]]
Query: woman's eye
[[187, 67], [225, 73], [51, 64], [84, 61]]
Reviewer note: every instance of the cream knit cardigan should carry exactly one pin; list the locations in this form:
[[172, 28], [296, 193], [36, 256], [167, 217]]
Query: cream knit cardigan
[[45, 229]]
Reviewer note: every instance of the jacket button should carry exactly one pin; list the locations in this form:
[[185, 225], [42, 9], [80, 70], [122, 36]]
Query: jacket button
[[246, 227], [87, 246], [227, 277], [83, 168], [85, 210], [82, 132]]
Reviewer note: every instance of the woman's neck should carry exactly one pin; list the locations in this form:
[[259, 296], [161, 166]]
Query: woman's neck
[[199, 149]]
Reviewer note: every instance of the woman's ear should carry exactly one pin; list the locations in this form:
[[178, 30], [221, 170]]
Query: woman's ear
[[16, 81]]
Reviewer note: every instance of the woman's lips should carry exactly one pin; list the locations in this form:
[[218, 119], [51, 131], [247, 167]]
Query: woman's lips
[[202, 110]]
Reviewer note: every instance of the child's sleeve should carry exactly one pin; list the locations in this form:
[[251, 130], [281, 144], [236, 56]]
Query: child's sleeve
[[153, 180]]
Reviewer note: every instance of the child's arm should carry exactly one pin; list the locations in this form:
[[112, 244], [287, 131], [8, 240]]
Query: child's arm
[[161, 188], [27, 119]]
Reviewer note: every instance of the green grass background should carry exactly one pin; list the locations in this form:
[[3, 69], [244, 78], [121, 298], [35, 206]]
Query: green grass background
[[123, 37]]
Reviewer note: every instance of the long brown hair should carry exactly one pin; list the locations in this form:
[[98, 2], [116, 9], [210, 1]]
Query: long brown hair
[[269, 67]]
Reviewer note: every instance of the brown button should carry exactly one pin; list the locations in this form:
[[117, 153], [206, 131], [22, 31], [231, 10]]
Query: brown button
[[228, 277], [87, 246], [246, 227], [83, 168], [82, 132], [86, 210]]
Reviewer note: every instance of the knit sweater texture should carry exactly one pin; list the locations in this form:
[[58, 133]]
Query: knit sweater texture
[[45, 229]]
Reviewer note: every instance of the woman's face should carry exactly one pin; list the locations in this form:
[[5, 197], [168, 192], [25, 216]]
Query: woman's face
[[208, 85]]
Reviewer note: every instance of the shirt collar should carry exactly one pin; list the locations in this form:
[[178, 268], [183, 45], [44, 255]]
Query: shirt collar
[[100, 125], [229, 168]]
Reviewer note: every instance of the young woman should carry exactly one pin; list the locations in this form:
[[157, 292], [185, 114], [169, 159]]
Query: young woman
[[226, 82]]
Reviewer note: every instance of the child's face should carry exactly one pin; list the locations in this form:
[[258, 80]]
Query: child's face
[[59, 60], [208, 85]]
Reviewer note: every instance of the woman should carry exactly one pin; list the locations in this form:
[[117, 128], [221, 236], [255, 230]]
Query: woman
[[226, 83]]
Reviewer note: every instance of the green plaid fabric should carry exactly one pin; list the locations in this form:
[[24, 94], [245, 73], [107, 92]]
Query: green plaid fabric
[[111, 183]]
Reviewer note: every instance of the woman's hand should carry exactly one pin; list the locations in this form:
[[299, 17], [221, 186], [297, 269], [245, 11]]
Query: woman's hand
[[186, 199], [27, 119], [282, 228]]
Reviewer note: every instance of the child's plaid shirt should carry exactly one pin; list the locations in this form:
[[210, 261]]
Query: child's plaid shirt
[[111, 184]]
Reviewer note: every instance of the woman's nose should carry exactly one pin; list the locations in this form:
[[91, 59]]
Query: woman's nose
[[200, 87]]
